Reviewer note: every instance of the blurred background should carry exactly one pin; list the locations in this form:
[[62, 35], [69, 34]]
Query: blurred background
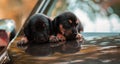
[[17, 10], [95, 15]]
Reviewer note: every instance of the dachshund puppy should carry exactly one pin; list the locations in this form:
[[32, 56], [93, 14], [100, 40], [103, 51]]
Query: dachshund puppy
[[38, 29], [67, 26]]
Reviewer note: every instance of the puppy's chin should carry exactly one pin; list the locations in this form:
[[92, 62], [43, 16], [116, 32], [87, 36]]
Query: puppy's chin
[[40, 38], [70, 37]]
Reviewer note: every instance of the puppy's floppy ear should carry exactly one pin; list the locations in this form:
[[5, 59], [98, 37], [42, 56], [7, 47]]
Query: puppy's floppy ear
[[55, 25], [28, 27], [80, 26], [50, 25], [27, 31]]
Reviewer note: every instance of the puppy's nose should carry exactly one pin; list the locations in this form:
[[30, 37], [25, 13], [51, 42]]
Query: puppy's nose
[[74, 31]]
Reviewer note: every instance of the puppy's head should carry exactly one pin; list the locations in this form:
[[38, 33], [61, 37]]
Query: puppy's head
[[37, 30], [68, 25]]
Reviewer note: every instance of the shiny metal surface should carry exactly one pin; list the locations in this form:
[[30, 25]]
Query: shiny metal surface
[[71, 52], [98, 50], [7, 33]]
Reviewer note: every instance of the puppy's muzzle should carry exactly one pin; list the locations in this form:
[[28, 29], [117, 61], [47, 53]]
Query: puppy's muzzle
[[74, 32]]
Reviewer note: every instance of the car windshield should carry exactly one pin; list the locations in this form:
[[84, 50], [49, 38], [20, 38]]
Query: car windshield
[[95, 15]]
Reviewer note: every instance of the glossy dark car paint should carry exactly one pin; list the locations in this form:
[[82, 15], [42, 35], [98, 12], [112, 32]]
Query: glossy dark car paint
[[72, 52]]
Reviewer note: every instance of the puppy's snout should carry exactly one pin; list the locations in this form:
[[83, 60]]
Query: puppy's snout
[[74, 31], [75, 34]]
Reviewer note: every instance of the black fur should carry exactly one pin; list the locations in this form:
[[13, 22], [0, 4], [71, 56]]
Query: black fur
[[64, 20], [38, 29]]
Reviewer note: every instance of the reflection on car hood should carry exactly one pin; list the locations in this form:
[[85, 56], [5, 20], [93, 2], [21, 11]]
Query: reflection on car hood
[[7, 24]]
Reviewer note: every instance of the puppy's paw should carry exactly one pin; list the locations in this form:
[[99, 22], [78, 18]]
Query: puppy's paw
[[61, 37], [79, 37], [53, 38], [23, 42]]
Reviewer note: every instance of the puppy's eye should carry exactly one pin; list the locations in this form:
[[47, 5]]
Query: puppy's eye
[[76, 24], [66, 26]]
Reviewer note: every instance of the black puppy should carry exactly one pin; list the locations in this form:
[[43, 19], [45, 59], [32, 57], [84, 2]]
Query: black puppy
[[38, 29], [67, 26]]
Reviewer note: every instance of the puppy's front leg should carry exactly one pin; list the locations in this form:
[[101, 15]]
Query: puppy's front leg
[[61, 37], [53, 38], [57, 38]]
